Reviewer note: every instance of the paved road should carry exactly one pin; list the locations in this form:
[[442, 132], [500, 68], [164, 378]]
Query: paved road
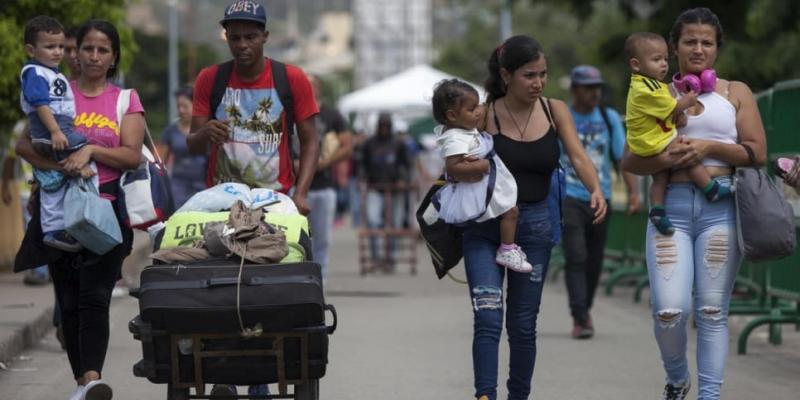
[[403, 337]]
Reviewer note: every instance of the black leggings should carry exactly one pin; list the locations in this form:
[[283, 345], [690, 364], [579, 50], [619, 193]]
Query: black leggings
[[83, 290]]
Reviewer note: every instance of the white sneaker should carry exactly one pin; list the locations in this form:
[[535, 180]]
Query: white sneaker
[[97, 390], [77, 393], [514, 259]]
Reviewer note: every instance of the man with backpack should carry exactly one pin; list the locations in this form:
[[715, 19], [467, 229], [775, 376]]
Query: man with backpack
[[601, 132], [245, 112], [244, 116]]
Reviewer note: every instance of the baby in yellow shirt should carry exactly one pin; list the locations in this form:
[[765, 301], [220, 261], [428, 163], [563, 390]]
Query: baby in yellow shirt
[[652, 116]]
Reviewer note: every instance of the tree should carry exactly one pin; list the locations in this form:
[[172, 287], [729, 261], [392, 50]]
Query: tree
[[594, 32], [14, 15], [567, 41]]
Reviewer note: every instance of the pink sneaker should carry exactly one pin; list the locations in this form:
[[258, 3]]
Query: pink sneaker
[[513, 259]]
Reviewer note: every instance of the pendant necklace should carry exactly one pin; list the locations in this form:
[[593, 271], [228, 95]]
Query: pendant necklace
[[527, 120]]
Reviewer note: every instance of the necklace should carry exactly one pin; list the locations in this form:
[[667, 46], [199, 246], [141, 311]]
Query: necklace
[[527, 120]]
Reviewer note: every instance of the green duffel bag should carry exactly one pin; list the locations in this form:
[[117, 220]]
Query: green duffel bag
[[184, 228]]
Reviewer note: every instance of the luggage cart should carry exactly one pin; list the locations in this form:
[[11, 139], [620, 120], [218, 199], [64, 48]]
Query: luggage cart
[[391, 233], [178, 352]]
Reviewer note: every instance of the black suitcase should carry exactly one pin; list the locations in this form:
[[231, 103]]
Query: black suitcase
[[188, 315]]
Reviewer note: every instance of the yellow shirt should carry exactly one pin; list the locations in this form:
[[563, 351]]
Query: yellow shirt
[[648, 116]]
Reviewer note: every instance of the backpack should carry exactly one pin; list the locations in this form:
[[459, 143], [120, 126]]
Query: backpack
[[443, 240], [279, 79]]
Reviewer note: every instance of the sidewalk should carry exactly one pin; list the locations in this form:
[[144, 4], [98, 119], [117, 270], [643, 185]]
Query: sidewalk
[[26, 314]]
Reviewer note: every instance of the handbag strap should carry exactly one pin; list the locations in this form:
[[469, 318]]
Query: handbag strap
[[148, 146], [750, 154]]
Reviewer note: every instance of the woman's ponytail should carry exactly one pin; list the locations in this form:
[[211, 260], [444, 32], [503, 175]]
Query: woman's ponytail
[[494, 83]]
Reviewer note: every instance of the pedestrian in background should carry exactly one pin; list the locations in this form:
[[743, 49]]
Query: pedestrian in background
[[386, 172], [336, 144], [602, 135], [187, 171]]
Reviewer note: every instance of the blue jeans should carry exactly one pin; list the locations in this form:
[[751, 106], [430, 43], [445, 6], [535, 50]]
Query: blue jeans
[[323, 208], [376, 218], [524, 293], [354, 201], [693, 271]]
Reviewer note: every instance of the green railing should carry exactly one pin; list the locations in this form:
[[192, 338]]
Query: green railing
[[774, 287]]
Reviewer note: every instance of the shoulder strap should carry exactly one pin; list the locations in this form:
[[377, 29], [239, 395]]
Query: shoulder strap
[[148, 146], [496, 120], [604, 114], [221, 79], [123, 103], [281, 82], [750, 154], [547, 112]]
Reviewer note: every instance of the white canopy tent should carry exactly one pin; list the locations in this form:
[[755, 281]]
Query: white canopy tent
[[407, 95]]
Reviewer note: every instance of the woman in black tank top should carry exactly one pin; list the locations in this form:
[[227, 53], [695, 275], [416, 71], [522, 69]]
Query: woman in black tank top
[[526, 129]]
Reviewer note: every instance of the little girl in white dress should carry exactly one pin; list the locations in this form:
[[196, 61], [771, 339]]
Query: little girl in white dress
[[456, 107]]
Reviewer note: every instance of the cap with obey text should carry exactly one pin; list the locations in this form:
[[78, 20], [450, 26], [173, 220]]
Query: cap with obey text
[[244, 10]]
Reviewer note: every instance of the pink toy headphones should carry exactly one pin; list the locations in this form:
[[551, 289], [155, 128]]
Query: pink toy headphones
[[704, 83]]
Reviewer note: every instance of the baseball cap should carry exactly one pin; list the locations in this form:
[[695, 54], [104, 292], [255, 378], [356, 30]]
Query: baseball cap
[[244, 10], [584, 75]]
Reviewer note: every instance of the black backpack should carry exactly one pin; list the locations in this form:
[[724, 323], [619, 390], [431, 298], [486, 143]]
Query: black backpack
[[279, 79], [442, 239]]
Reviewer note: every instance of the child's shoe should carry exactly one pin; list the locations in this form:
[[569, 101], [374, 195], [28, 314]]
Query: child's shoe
[[62, 241], [512, 257], [658, 216], [716, 191]]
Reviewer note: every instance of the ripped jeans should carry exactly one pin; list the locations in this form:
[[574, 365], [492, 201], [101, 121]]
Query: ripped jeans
[[693, 271], [523, 295]]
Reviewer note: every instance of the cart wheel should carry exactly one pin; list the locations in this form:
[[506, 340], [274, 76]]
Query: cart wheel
[[177, 394], [307, 391]]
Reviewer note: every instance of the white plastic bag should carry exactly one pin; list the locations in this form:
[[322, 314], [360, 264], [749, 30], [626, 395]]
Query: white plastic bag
[[223, 196]]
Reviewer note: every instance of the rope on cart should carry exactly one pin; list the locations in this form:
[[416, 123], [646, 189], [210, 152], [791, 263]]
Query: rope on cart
[[256, 330]]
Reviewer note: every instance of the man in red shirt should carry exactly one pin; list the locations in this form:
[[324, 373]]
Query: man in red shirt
[[246, 135]]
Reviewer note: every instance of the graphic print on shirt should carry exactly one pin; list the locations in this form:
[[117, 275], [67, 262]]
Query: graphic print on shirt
[[96, 121], [252, 156], [594, 138]]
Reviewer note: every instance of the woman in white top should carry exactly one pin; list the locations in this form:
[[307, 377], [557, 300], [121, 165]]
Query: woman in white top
[[693, 271]]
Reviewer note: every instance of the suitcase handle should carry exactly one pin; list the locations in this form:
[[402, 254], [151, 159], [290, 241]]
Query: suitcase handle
[[224, 281], [332, 309]]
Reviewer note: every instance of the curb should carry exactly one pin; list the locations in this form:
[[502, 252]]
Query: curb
[[27, 335]]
